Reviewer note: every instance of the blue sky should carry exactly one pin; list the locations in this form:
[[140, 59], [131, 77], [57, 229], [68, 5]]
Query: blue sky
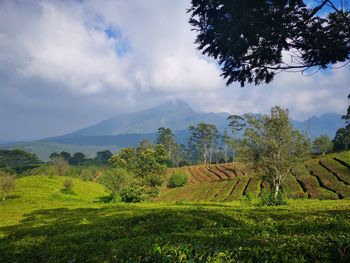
[[68, 64]]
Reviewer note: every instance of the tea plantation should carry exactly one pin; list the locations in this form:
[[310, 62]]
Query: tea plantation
[[323, 177], [40, 222]]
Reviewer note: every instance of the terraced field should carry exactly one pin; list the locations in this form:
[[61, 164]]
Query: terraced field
[[325, 177]]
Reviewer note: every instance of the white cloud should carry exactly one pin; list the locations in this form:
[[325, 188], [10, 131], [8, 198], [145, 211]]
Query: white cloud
[[55, 57]]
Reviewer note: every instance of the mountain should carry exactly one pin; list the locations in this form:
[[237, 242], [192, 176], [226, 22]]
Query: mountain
[[176, 115], [129, 129], [327, 123]]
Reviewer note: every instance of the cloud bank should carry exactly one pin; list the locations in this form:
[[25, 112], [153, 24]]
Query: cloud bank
[[68, 64]]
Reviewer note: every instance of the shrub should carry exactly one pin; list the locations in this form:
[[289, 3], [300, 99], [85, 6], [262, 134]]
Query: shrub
[[67, 184], [154, 179], [133, 194], [116, 180], [7, 184], [177, 180], [270, 199], [248, 199], [153, 192], [62, 166]]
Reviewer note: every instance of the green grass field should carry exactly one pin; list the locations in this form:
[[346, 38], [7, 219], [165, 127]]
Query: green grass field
[[41, 223]]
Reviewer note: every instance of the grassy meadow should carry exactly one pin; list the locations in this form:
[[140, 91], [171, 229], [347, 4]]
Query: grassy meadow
[[214, 218]]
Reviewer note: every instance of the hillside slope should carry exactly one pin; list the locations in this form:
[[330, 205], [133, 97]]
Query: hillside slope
[[325, 177], [45, 192]]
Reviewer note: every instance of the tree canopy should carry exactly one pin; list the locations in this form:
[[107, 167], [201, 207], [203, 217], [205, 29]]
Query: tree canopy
[[18, 160], [253, 40], [271, 146], [202, 141]]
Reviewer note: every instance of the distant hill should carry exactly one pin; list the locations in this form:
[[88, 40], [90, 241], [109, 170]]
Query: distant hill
[[129, 129], [327, 123], [176, 115]]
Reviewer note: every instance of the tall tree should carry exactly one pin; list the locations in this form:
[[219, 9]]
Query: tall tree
[[143, 162], [145, 144], [102, 157], [17, 160], [322, 144], [203, 140], [77, 159], [341, 140], [66, 155], [255, 39], [346, 117], [166, 138], [224, 145], [271, 146], [237, 123]]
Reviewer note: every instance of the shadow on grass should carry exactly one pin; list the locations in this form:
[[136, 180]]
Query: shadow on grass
[[10, 197], [122, 232], [104, 199]]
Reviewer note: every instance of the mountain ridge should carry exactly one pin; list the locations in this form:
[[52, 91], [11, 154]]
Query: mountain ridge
[[128, 129], [176, 115]]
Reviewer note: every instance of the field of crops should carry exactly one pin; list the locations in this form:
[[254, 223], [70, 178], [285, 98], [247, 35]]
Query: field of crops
[[324, 177], [41, 223]]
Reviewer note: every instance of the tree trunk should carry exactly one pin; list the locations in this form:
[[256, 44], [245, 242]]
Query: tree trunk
[[277, 188], [210, 155], [225, 154]]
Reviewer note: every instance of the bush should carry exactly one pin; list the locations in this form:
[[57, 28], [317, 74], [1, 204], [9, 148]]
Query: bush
[[133, 194], [248, 199], [7, 184], [67, 184], [154, 179], [116, 180], [177, 180], [270, 199], [153, 192], [61, 165]]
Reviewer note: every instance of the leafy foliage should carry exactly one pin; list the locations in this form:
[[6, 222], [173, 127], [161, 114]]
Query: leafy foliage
[[78, 158], [166, 137], [116, 180], [142, 161], [270, 199], [303, 231], [134, 193], [202, 141], [154, 179], [272, 147], [102, 157], [177, 180], [322, 144], [254, 39], [7, 184], [17, 160], [341, 140]]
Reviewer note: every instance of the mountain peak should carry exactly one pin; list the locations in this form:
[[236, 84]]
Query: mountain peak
[[176, 103]]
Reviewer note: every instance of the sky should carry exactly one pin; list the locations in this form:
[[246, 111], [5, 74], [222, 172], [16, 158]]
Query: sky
[[67, 64]]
